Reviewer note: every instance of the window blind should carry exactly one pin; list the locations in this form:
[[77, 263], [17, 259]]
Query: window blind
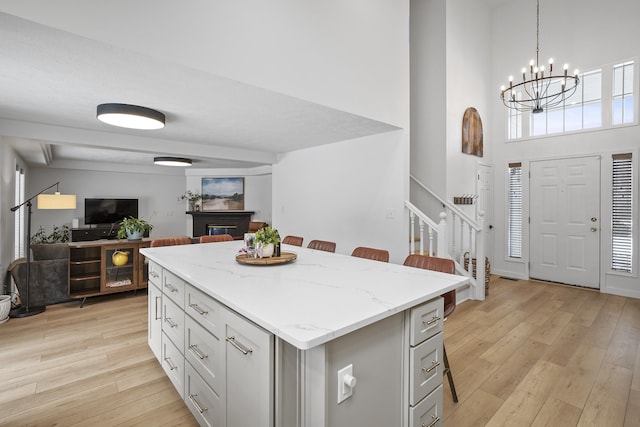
[[622, 213], [514, 201]]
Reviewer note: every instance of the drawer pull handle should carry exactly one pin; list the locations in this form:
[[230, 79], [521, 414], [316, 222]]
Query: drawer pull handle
[[194, 348], [433, 366], [197, 404], [154, 274], [170, 322], [433, 423], [170, 287], [197, 308], [432, 321], [232, 341], [158, 315], [172, 367]]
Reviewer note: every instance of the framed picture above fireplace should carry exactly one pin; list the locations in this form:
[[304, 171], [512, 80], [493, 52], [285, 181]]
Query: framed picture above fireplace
[[220, 194]]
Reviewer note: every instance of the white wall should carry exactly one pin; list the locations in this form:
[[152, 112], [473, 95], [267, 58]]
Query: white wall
[[450, 71], [344, 192], [468, 40], [586, 34], [428, 97], [157, 195]]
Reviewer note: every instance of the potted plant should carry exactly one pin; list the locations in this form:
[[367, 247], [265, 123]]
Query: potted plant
[[265, 240], [192, 198], [133, 228], [50, 246]]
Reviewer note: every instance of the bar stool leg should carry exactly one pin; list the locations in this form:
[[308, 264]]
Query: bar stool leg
[[447, 370]]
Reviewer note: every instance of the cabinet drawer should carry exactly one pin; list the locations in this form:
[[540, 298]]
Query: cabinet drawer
[[205, 310], [249, 366], [155, 274], [205, 352], [427, 413], [173, 364], [173, 287], [206, 406], [173, 322], [426, 320], [426, 364]]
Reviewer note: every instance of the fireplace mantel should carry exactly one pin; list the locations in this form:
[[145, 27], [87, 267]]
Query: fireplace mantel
[[239, 219]]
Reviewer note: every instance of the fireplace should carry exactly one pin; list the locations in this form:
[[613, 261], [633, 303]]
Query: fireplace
[[235, 223]]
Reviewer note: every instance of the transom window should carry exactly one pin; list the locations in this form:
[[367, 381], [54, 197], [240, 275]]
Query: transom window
[[584, 110]]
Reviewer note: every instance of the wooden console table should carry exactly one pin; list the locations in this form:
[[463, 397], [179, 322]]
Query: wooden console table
[[94, 271]]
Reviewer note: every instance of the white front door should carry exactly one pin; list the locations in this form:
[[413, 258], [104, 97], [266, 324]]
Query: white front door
[[565, 224]]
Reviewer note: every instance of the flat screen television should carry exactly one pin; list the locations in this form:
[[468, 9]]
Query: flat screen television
[[109, 211]]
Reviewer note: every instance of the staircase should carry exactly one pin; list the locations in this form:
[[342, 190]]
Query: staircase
[[454, 236]]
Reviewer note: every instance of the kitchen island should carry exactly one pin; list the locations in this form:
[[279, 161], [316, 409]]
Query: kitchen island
[[326, 340]]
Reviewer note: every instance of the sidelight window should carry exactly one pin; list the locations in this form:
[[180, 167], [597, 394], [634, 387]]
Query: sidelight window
[[622, 214], [514, 208]]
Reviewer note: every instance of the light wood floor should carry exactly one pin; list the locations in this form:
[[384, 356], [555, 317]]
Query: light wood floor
[[544, 355], [531, 354], [85, 367]]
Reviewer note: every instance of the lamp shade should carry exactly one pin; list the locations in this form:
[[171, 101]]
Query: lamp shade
[[172, 161], [130, 116], [56, 201]]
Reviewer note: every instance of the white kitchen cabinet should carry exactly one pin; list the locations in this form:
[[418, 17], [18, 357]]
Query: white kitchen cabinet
[[155, 319], [249, 356]]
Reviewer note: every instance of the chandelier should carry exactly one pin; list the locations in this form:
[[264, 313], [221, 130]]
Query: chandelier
[[540, 89]]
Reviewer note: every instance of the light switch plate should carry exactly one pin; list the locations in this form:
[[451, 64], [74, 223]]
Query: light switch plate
[[344, 391]]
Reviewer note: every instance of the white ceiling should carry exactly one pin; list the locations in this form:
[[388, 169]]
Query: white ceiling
[[51, 82]]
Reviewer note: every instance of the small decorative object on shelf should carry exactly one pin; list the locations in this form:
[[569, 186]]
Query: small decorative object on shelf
[[465, 199], [193, 200], [133, 228], [120, 257], [265, 240]]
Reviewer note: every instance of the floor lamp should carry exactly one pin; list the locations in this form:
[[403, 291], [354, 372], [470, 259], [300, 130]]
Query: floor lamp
[[45, 201]]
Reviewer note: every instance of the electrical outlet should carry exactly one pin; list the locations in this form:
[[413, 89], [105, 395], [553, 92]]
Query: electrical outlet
[[346, 383]]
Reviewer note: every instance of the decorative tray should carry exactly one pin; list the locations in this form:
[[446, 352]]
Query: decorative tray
[[284, 258]]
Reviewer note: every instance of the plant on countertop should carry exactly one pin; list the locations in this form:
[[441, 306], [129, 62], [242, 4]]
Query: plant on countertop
[[267, 235], [59, 235], [130, 226]]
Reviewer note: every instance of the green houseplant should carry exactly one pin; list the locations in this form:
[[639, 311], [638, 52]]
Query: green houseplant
[[133, 228], [50, 246], [265, 240]]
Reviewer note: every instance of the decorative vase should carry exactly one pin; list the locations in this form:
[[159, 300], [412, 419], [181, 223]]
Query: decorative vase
[[134, 235], [265, 250], [120, 258]]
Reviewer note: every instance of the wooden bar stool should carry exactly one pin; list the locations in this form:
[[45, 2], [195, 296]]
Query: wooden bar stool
[[322, 245], [371, 253]]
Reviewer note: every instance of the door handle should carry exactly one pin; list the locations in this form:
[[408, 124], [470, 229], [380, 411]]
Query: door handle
[[593, 229]]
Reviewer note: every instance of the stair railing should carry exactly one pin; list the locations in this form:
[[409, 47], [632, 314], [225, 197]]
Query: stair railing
[[454, 236]]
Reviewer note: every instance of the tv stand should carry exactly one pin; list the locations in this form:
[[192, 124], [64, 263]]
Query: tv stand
[[95, 233]]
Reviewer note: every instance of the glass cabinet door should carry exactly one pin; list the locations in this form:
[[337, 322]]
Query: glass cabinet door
[[119, 267]]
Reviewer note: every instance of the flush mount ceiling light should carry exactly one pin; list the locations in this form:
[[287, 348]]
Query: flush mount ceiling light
[[541, 89], [171, 161], [130, 116]]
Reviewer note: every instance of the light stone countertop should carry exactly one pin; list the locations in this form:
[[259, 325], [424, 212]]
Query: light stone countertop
[[313, 300]]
